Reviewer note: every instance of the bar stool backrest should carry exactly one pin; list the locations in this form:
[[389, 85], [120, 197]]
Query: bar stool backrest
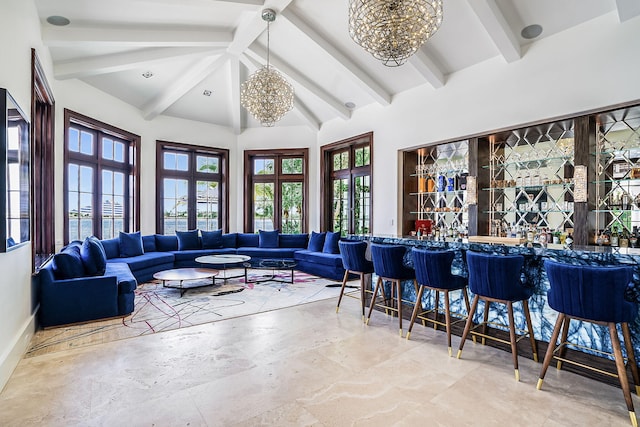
[[388, 260], [353, 256], [590, 292], [496, 276], [433, 268]]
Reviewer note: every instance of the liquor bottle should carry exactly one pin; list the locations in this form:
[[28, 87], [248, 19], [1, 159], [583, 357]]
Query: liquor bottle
[[442, 183], [431, 185], [615, 237], [624, 239], [633, 240], [451, 183], [462, 181], [530, 234]]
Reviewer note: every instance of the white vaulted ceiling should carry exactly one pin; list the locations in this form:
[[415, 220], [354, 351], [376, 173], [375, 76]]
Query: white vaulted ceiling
[[195, 45]]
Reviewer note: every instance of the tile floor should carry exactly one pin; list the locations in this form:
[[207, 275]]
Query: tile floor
[[301, 366]]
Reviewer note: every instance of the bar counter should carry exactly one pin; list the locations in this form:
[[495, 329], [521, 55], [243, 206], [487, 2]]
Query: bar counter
[[533, 275]]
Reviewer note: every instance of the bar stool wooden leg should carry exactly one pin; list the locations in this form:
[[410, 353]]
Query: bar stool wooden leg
[[512, 337], [631, 355], [565, 334], [485, 320], [532, 339], [436, 305], [467, 325], [465, 295], [447, 314], [416, 309], [622, 372], [549, 354], [373, 298], [344, 283]]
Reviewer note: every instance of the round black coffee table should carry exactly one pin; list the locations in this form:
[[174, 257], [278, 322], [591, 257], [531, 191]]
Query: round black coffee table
[[274, 265]]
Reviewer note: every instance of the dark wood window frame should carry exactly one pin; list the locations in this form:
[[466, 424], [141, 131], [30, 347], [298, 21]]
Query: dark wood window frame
[[192, 175], [95, 160], [42, 164], [328, 175], [250, 178]]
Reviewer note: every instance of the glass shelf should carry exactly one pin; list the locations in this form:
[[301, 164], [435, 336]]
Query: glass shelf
[[440, 212], [605, 181], [530, 212], [529, 187], [557, 159], [445, 172], [436, 193]]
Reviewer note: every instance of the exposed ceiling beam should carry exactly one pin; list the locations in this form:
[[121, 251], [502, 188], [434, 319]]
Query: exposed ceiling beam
[[124, 61], [133, 37], [497, 27], [252, 26], [429, 70], [193, 75], [341, 60], [333, 103], [236, 113], [627, 9]]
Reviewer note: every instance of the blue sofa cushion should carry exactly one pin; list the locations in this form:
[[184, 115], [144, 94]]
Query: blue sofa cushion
[[149, 243], [318, 258], [130, 244], [93, 256], [146, 260], [211, 239], [192, 254], [111, 247], [188, 240], [166, 243], [247, 240], [269, 239], [331, 243], [229, 240], [126, 282], [67, 264], [267, 253], [316, 241], [298, 241]]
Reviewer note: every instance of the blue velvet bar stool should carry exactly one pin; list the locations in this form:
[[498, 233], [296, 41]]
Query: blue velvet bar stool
[[354, 262], [592, 294], [496, 278], [388, 266], [433, 271]]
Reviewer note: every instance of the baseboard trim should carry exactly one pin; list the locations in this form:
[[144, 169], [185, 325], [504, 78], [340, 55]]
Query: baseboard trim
[[13, 354]]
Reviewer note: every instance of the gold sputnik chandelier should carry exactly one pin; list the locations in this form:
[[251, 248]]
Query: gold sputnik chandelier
[[393, 30], [266, 94]]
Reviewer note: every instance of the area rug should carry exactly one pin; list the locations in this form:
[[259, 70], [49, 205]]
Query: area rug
[[160, 309]]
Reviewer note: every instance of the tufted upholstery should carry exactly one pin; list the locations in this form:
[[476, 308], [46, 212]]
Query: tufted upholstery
[[497, 276], [353, 256], [433, 269], [388, 262]]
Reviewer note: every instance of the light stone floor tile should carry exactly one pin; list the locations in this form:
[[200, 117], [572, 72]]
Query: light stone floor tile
[[301, 366]]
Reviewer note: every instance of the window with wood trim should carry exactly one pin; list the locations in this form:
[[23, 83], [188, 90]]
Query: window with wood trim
[[191, 189], [347, 186], [101, 179], [276, 190]]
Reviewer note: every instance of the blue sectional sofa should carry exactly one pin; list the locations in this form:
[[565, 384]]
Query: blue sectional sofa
[[73, 289]]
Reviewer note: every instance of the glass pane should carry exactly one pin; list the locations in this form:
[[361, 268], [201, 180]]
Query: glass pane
[[263, 166], [263, 206], [118, 183], [208, 164], [107, 182], [341, 206], [362, 156], [170, 161], [72, 177], [86, 143], [207, 205], [291, 193], [362, 205], [175, 205], [86, 179], [292, 166], [118, 151], [182, 162], [341, 161], [74, 140], [107, 148]]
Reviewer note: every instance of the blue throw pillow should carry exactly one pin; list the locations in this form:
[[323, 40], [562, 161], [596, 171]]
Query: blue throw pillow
[[188, 240], [331, 243], [316, 242], [211, 239], [94, 257], [166, 243], [269, 239], [67, 264], [130, 244]]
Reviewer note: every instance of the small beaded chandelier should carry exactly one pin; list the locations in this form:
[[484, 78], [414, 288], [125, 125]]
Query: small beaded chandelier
[[266, 94], [393, 30]]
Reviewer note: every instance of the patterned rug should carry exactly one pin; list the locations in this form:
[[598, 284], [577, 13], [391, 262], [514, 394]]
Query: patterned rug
[[160, 309]]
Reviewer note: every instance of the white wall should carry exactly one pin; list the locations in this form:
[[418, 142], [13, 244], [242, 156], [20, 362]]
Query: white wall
[[20, 31], [593, 66]]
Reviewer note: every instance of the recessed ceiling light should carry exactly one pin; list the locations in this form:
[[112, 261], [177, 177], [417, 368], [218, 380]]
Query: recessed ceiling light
[[206, 92], [350, 105], [147, 74], [531, 31], [59, 21]]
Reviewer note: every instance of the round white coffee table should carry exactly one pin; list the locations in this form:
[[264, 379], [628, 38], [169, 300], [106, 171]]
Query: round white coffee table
[[224, 261], [181, 274]]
